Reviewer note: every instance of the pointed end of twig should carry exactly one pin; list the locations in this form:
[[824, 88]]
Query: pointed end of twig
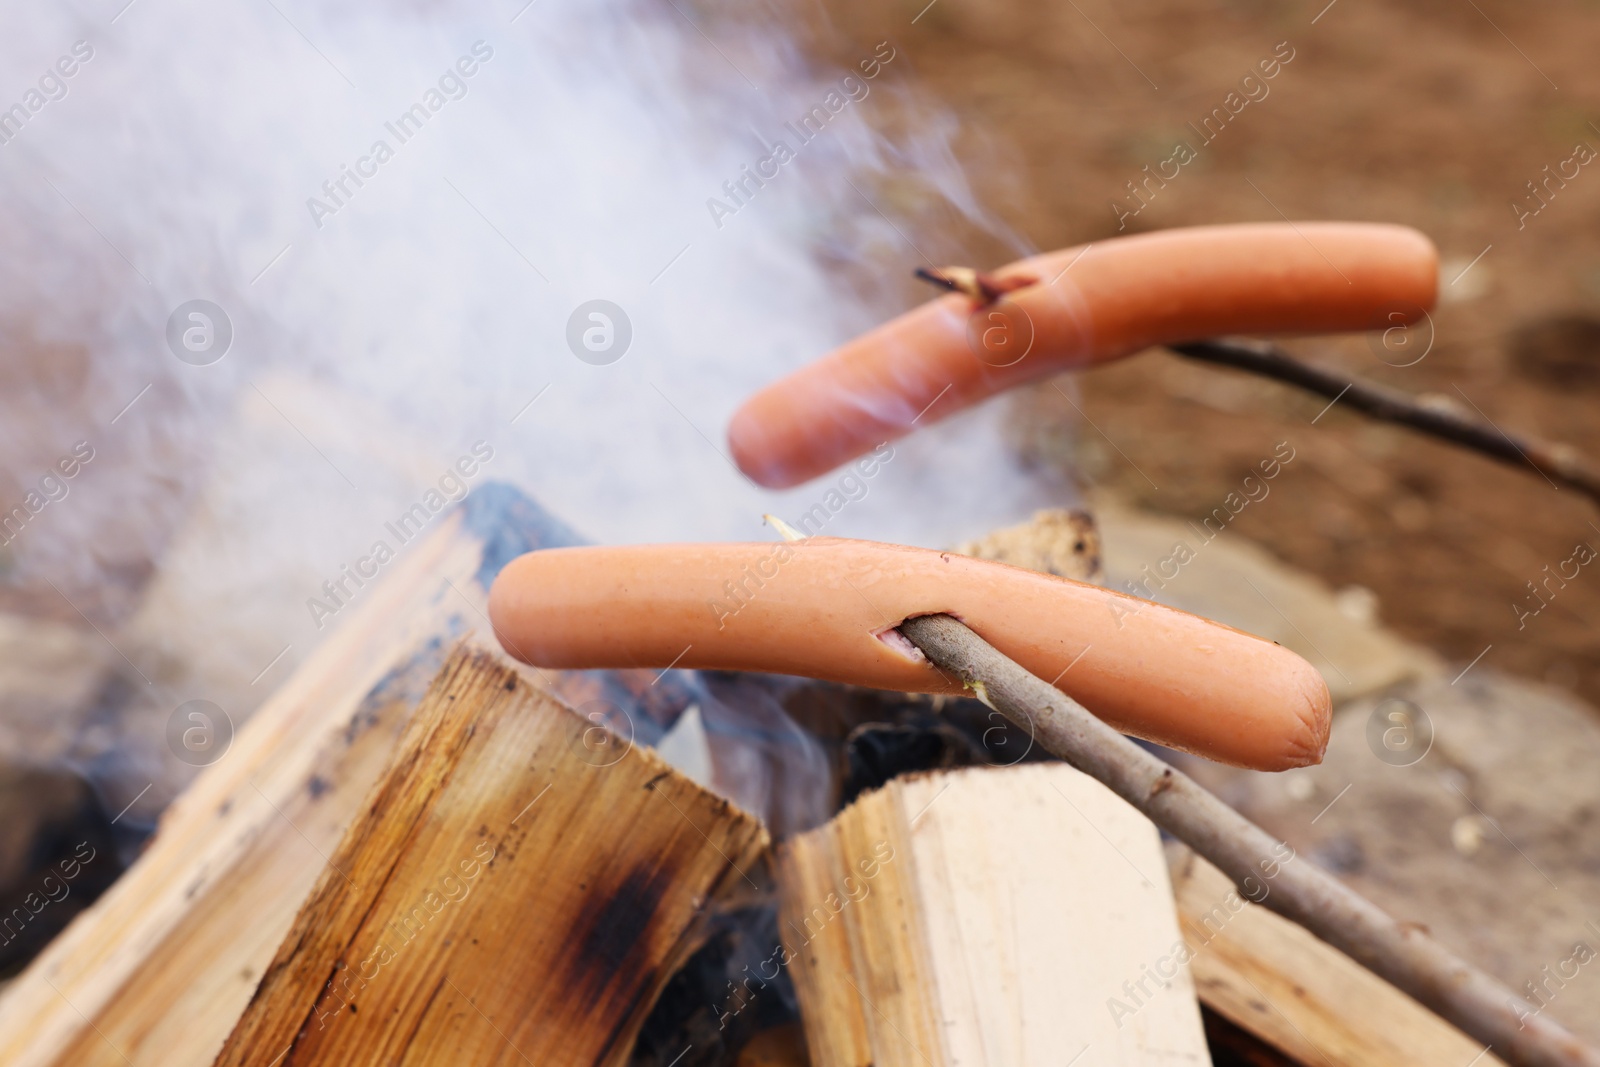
[[983, 289], [787, 532], [939, 278]]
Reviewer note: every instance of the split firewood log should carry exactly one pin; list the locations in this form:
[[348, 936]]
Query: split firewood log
[[1059, 541], [988, 915], [158, 970], [510, 893], [1299, 994]]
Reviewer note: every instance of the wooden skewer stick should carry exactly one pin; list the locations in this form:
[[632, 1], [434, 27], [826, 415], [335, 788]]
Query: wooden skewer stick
[[1400, 953], [1436, 415]]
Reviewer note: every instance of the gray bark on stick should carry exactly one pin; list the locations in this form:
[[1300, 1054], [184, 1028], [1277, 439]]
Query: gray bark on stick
[[1435, 415]]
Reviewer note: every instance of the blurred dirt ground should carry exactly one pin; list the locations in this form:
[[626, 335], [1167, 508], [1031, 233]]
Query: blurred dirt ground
[[1432, 114]]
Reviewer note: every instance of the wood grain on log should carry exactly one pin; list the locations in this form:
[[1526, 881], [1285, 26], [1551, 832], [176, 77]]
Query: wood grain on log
[[987, 915], [506, 896], [1279, 982]]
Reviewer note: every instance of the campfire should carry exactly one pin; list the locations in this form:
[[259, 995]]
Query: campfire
[[562, 748]]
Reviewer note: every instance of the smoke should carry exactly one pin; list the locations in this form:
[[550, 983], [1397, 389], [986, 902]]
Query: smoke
[[392, 307]]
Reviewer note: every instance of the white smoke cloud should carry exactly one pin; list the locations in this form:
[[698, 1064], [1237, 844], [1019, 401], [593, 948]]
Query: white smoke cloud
[[374, 343]]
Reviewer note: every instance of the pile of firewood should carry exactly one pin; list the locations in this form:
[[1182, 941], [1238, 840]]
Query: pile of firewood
[[417, 852]]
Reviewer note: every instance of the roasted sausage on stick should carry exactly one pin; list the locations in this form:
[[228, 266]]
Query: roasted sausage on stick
[[828, 608], [1077, 307]]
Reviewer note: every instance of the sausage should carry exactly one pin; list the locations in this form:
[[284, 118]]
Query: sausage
[[827, 608], [1084, 306]]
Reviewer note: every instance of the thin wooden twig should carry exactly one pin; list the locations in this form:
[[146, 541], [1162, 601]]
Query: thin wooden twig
[[1400, 953], [1434, 414]]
